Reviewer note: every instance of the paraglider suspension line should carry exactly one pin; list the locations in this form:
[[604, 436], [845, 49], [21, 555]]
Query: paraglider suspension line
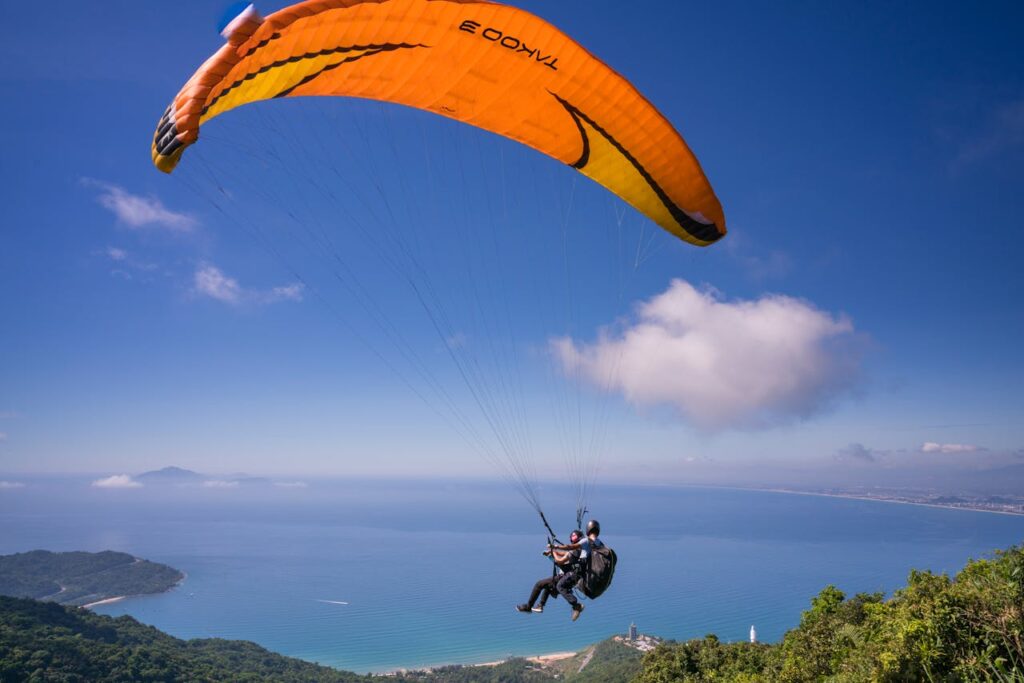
[[581, 512], [552, 536]]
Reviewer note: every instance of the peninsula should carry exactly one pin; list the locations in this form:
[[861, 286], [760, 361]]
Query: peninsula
[[83, 579]]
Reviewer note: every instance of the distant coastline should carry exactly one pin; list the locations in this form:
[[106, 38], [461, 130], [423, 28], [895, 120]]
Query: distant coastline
[[119, 598], [903, 499]]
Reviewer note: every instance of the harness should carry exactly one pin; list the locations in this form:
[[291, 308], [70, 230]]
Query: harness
[[578, 565]]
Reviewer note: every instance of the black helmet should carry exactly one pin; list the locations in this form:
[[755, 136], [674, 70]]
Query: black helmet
[[594, 527], [575, 535]]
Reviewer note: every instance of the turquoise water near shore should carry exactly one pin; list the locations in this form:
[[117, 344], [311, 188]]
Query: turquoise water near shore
[[430, 571]]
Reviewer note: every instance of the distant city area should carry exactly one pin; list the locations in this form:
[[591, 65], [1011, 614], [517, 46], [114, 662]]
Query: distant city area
[[1007, 504], [638, 641]]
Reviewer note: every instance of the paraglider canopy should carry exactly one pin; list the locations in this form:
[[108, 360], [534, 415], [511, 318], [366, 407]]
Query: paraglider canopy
[[489, 65]]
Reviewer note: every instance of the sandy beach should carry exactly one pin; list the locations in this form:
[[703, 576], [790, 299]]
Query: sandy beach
[[553, 657], [107, 601], [537, 659]]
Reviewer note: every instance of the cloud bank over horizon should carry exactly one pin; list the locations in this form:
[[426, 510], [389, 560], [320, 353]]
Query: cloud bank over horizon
[[745, 364], [933, 447], [117, 481], [219, 484], [932, 458]]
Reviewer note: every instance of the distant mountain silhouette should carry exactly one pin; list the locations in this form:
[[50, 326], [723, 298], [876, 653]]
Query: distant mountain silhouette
[[171, 474], [178, 475]]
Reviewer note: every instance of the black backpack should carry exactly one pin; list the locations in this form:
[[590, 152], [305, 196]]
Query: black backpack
[[598, 573]]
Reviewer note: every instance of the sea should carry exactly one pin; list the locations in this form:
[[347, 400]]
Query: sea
[[376, 576]]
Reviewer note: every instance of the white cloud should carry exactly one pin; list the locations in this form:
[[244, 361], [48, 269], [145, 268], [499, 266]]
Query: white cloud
[[118, 481], [292, 292], [11, 485], [140, 212], [932, 447], [291, 484], [219, 484], [723, 364], [116, 254], [211, 281]]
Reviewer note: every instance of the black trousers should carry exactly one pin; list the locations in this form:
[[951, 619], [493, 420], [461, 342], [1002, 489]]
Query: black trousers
[[564, 587], [545, 587]]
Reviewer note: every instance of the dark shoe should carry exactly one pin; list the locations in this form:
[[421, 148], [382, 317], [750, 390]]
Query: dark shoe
[[523, 608], [539, 608], [577, 610]]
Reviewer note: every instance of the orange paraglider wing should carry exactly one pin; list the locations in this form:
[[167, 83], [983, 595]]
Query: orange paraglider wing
[[485, 64]]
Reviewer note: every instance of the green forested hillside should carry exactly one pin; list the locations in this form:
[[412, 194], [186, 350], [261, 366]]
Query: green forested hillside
[[610, 661], [937, 628], [78, 578], [41, 641]]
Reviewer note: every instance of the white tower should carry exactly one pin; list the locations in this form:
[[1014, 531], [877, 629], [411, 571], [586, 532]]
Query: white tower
[[632, 632], [753, 634]]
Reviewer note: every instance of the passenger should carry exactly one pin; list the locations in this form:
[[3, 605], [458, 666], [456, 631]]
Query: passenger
[[565, 561]]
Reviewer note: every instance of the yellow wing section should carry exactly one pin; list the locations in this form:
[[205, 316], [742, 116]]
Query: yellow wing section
[[485, 64]]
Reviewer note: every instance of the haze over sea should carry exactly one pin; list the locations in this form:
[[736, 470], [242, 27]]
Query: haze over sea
[[375, 575]]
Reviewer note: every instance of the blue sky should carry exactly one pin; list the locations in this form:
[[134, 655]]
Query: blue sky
[[870, 160]]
